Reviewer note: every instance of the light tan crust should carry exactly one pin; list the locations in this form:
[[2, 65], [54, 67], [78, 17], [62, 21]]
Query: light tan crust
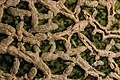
[[43, 32]]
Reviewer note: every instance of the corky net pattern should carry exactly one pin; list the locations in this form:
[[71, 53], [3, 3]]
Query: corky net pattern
[[59, 39]]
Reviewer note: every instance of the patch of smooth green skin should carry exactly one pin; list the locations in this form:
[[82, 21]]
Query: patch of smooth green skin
[[39, 74], [3, 36], [43, 21], [118, 0], [56, 0], [28, 47], [117, 60], [9, 19], [27, 23], [86, 56], [24, 68], [15, 42], [114, 49], [88, 30], [77, 41], [117, 40], [81, 16], [71, 4], [101, 15], [77, 73], [57, 66], [23, 5], [117, 16], [41, 8], [62, 21], [115, 26], [99, 43], [6, 62], [95, 39], [117, 5], [60, 45], [90, 10], [104, 68], [44, 47], [89, 77]]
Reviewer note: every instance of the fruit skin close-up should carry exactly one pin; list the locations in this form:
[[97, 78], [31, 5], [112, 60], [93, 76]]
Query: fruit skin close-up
[[59, 39]]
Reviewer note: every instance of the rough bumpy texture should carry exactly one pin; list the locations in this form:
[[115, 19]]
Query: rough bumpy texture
[[59, 39]]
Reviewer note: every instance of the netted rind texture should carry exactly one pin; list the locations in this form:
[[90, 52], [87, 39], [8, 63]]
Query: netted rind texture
[[59, 39]]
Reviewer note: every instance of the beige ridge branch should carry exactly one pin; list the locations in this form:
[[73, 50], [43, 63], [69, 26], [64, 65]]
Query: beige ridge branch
[[43, 32]]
